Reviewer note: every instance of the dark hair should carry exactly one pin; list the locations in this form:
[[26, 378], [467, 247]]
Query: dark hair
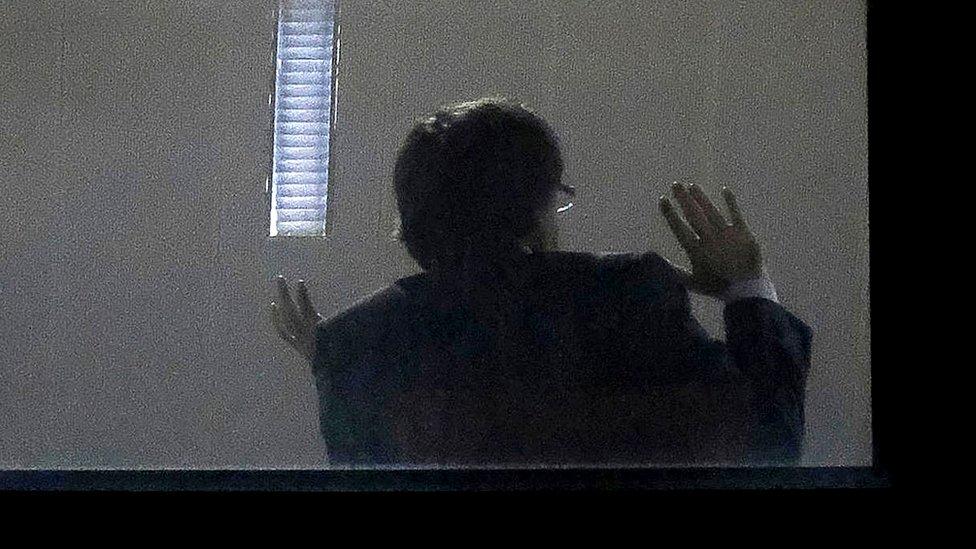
[[474, 177]]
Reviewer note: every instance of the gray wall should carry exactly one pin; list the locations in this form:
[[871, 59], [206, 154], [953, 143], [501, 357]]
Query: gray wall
[[133, 149]]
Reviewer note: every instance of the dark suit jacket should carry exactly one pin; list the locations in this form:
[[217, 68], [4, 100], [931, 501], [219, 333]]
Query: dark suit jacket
[[607, 366]]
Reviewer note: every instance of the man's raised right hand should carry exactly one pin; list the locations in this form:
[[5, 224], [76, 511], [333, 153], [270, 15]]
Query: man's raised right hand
[[295, 324], [720, 252]]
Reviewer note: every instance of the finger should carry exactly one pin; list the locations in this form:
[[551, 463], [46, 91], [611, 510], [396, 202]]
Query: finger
[[691, 282], [737, 218], [685, 276], [682, 231], [693, 213], [712, 214], [279, 324], [305, 302], [288, 309]]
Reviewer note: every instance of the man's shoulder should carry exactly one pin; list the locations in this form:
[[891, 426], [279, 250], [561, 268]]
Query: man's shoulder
[[641, 276], [365, 312], [638, 274], [607, 261]]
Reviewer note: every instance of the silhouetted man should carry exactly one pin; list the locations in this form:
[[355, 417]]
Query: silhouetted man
[[505, 351]]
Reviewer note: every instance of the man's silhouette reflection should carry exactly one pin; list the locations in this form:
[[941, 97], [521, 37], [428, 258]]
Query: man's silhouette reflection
[[506, 351]]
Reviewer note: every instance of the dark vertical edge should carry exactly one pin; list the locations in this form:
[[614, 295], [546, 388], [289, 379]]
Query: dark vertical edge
[[272, 87], [880, 418], [333, 107]]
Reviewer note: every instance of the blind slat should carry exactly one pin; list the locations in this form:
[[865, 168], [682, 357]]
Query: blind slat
[[302, 128], [313, 53], [302, 191], [319, 78], [301, 228], [292, 165], [305, 65], [300, 152], [297, 183], [313, 4], [319, 141], [285, 215], [300, 202], [303, 115], [306, 27], [304, 14], [306, 40], [304, 90], [307, 102]]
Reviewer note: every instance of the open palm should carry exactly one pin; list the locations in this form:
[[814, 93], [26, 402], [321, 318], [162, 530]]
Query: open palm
[[721, 252], [295, 324]]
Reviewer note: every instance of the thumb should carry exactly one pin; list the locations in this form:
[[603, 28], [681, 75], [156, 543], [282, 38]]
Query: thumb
[[688, 280], [695, 283], [685, 276]]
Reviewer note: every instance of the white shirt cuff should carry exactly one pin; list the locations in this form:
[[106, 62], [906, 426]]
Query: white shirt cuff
[[756, 287]]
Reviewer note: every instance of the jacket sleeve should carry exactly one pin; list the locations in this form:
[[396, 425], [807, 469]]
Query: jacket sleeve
[[336, 424], [763, 363], [350, 422]]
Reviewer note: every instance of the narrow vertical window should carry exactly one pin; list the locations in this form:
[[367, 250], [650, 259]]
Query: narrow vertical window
[[307, 37]]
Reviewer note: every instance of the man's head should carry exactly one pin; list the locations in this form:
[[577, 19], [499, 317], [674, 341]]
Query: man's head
[[478, 175]]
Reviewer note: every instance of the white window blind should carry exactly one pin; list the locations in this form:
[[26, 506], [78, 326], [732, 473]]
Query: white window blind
[[303, 110]]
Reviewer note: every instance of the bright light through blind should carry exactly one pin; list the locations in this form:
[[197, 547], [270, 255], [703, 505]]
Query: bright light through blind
[[303, 110]]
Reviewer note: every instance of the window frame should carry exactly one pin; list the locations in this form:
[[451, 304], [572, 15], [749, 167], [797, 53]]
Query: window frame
[[270, 206]]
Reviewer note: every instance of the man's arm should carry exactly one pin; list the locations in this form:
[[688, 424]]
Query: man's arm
[[753, 384], [771, 347], [766, 355], [352, 420], [323, 343]]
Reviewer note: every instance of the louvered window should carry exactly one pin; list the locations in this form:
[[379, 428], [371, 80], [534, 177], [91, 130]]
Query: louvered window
[[304, 109]]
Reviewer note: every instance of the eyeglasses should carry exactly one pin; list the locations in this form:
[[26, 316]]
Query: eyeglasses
[[571, 191]]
